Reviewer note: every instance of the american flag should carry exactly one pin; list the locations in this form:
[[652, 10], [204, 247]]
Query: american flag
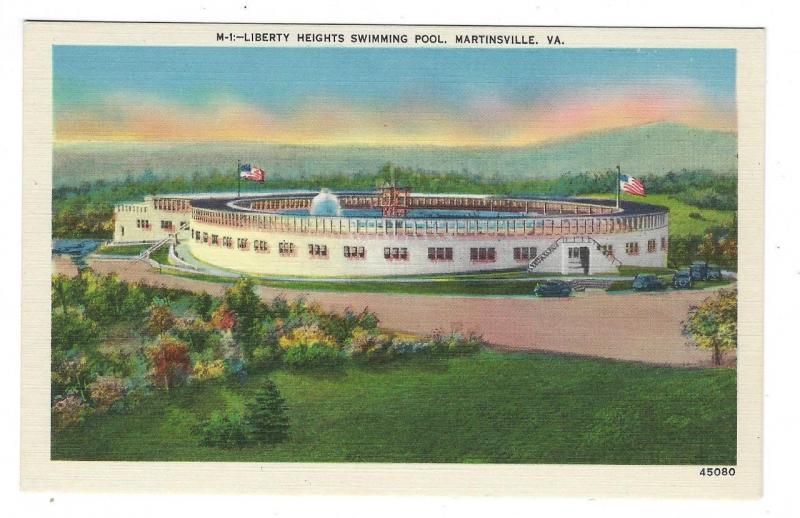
[[254, 174], [631, 185]]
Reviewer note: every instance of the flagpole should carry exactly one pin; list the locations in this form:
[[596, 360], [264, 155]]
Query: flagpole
[[239, 179], [618, 177]]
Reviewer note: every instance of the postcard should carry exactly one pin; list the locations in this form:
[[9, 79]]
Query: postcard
[[411, 260]]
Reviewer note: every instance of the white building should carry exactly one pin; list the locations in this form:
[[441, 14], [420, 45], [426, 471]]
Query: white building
[[392, 232]]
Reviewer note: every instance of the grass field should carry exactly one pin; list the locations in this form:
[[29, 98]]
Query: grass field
[[122, 250], [684, 220], [493, 407]]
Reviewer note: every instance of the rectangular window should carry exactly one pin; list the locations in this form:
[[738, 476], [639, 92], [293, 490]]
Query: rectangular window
[[607, 250], [440, 254], [260, 246], [663, 243], [651, 246], [285, 248], [632, 248], [482, 254], [395, 254], [205, 237], [166, 225], [214, 239], [241, 243], [318, 250]]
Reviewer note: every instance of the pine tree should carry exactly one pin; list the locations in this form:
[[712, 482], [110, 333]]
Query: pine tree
[[266, 415]]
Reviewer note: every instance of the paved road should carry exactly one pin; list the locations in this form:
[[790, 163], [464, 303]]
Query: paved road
[[643, 327]]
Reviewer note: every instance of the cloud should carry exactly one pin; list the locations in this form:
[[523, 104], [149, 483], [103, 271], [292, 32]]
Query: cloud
[[480, 122]]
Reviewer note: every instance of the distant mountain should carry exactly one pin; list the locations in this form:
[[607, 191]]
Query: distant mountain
[[651, 149]]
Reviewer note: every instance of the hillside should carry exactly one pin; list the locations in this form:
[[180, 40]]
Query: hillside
[[644, 150]]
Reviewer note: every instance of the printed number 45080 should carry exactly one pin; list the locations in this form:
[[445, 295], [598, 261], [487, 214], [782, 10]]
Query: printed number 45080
[[717, 472]]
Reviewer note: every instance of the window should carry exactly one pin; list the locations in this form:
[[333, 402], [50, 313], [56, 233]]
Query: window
[[227, 242], [143, 224], [318, 250], [632, 248], [285, 248], [607, 250], [524, 253], [651, 246], [395, 254], [205, 237], [241, 243], [354, 252], [482, 254], [440, 254], [663, 243], [260, 246], [166, 225], [214, 239]]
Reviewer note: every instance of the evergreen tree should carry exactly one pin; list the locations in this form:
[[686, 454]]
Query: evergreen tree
[[266, 415]]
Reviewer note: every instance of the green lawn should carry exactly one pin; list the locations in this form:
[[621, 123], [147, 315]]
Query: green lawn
[[122, 250], [161, 255], [493, 407], [684, 220]]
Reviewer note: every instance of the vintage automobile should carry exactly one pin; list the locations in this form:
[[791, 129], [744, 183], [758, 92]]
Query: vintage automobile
[[647, 282], [553, 289], [682, 280], [705, 272]]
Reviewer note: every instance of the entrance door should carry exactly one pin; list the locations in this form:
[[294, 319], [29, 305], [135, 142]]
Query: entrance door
[[584, 255]]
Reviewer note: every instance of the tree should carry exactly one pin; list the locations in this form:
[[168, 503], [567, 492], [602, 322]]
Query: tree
[[160, 320], [708, 248], [249, 310], [266, 415], [712, 324], [72, 334], [203, 305], [171, 363]]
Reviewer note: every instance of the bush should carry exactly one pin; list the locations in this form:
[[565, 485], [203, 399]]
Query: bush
[[454, 344], [204, 371], [68, 411], [313, 357], [224, 431], [263, 356], [307, 336], [107, 391]]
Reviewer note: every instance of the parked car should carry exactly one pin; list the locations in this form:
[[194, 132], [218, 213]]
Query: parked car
[[647, 282], [682, 280], [553, 289], [705, 272]]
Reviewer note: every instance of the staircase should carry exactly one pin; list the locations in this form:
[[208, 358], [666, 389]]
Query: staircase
[[154, 247], [536, 261]]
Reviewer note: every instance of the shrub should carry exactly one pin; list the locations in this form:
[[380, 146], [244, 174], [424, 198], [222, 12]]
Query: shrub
[[224, 431], [106, 391], [306, 336], [315, 356], [68, 411], [369, 346], [263, 356], [453, 344], [204, 371]]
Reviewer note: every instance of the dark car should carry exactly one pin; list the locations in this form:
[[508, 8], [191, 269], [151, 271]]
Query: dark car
[[682, 280], [553, 289], [647, 282], [701, 271]]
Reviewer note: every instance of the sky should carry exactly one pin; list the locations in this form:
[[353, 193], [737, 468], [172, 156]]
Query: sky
[[383, 96]]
